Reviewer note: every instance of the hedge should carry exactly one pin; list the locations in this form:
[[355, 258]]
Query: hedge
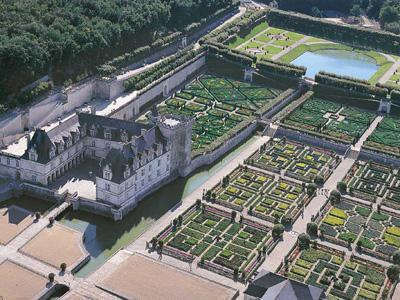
[[264, 109], [395, 95], [376, 39], [151, 75], [238, 57], [274, 67], [348, 83]]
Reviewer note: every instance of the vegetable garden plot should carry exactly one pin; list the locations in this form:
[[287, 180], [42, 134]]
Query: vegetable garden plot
[[322, 106], [265, 197], [296, 160], [222, 244], [370, 180], [340, 277], [346, 129], [357, 115]]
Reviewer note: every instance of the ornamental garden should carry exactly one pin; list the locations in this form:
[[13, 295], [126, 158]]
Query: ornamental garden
[[340, 276], [372, 181], [219, 105], [330, 119], [217, 241], [386, 137], [296, 160], [265, 196]]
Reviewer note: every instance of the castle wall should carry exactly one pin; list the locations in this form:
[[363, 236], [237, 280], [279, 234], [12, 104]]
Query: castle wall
[[378, 157]]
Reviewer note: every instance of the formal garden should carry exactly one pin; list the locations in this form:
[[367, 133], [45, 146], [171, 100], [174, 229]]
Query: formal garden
[[265, 41], [220, 242], [386, 137], [330, 119], [341, 277], [295, 160], [372, 181], [266, 197], [219, 105]]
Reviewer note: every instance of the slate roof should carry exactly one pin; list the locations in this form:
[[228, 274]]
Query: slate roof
[[118, 160], [271, 286], [42, 143]]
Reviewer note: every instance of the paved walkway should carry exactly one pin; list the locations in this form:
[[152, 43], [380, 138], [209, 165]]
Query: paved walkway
[[389, 73], [367, 133]]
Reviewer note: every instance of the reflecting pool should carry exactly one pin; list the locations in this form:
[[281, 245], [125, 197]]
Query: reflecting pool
[[341, 62]]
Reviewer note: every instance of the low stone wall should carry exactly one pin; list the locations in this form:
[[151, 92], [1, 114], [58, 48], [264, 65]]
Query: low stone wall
[[379, 157], [209, 158], [41, 193], [312, 140]]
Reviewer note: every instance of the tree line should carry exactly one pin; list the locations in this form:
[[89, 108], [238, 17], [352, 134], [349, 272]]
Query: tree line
[[72, 36]]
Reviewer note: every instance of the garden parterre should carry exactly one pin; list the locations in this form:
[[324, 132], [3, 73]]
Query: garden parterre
[[342, 278], [330, 119], [223, 244], [372, 181], [386, 137], [295, 159], [218, 104], [265, 196]]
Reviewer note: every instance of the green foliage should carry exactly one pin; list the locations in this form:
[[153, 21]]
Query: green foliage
[[277, 230], [304, 240], [280, 68], [312, 228]]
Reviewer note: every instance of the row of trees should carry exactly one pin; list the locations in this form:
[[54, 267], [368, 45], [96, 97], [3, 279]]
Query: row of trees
[[274, 67], [73, 36], [378, 40]]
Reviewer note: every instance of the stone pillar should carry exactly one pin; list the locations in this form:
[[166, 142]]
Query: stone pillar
[[248, 74]]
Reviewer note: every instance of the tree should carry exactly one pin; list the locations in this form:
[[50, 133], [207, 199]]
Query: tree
[[304, 240], [51, 277], [319, 179], [312, 228], [355, 10], [277, 231], [63, 267], [233, 216], [393, 273], [396, 257], [37, 216], [335, 197], [342, 186], [311, 188], [286, 220]]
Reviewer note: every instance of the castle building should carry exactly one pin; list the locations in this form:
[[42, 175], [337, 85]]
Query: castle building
[[134, 158]]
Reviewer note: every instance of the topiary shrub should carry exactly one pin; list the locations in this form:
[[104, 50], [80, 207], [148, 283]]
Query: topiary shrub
[[304, 240], [63, 267], [319, 179], [393, 273], [311, 188], [396, 257], [277, 231], [342, 186], [286, 220], [312, 228], [51, 277], [335, 197]]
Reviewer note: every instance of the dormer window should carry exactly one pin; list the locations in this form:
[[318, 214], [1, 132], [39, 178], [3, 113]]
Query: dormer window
[[82, 130], [127, 172], [107, 134], [60, 147], [69, 142], [32, 154], [52, 152], [93, 131], [107, 174], [124, 136]]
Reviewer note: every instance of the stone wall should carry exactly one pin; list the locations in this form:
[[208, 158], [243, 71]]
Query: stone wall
[[209, 158], [312, 140], [379, 157]]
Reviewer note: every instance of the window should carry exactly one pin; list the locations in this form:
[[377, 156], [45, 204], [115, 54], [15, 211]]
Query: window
[[17, 163], [33, 178], [107, 187], [108, 145], [142, 172], [135, 188], [126, 185], [142, 182], [93, 143], [159, 162], [107, 134], [158, 172], [168, 157], [92, 132], [32, 156], [8, 161], [93, 153], [150, 168], [107, 175], [149, 178]]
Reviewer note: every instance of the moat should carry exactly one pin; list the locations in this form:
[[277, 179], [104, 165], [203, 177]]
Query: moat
[[104, 237]]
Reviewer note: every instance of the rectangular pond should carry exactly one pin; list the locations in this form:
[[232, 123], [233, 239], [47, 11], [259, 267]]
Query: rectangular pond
[[340, 62]]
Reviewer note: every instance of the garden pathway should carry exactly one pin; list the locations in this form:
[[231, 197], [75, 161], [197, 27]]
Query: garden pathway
[[367, 133], [385, 77], [290, 48]]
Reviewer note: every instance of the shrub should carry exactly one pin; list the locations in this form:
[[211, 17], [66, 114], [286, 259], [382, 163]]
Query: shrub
[[312, 228], [319, 179], [311, 188], [393, 272], [304, 240], [335, 196], [286, 220], [342, 186], [396, 257], [51, 277], [277, 230], [63, 267]]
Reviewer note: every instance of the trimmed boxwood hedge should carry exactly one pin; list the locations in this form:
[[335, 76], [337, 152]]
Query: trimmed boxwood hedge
[[274, 67]]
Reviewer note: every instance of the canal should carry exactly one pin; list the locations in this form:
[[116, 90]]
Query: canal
[[104, 237]]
